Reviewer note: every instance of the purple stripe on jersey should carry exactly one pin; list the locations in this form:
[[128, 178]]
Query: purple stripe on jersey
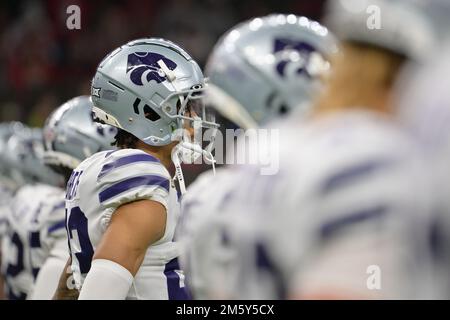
[[352, 174], [59, 206], [125, 161], [173, 282], [125, 185], [110, 153], [334, 226], [58, 225]]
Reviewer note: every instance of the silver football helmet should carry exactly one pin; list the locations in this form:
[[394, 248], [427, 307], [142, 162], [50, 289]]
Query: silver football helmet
[[146, 87], [402, 26], [23, 157], [71, 135], [7, 129], [267, 66]]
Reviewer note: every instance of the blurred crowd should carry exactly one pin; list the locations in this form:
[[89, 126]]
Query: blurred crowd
[[44, 63]]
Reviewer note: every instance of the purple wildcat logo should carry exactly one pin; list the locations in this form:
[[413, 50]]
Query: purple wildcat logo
[[144, 65], [283, 46]]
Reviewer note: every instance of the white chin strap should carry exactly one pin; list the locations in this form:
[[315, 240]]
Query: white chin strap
[[187, 152], [178, 171]]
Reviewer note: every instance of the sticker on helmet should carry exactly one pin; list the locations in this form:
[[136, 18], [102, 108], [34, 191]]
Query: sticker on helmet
[[144, 65], [289, 51]]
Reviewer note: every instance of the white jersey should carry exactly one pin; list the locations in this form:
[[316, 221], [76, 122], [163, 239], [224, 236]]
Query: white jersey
[[98, 186], [341, 207], [36, 228], [207, 259], [425, 110]]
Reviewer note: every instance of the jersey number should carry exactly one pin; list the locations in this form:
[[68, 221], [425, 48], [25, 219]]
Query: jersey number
[[79, 243], [14, 270], [34, 242]]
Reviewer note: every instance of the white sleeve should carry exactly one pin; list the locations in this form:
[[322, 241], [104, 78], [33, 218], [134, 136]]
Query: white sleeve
[[106, 280], [49, 274], [143, 177], [47, 279]]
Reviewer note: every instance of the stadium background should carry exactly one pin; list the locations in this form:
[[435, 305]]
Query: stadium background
[[43, 63]]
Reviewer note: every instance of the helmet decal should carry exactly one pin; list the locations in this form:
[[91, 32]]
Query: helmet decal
[[282, 46], [146, 63]]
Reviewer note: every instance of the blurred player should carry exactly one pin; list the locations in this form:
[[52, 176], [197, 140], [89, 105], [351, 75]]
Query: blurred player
[[7, 184], [259, 71], [37, 194], [336, 220], [70, 136], [425, 111], [122, 207]]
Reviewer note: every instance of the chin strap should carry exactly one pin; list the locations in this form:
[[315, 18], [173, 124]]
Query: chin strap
[[183, 152], [209, 159], [178, 171]]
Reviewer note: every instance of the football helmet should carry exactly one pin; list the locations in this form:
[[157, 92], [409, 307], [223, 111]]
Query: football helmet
[[23, 157], [401, 26], [7, 129], [71, 135], [146, 87], [267, 66]]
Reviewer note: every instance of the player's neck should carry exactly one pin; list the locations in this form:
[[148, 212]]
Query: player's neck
[[362, 78], [163, 153], [376, 101]]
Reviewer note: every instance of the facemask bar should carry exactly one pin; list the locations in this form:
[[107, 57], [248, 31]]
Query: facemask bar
[[184, 97], [188, 151], [199, 121]]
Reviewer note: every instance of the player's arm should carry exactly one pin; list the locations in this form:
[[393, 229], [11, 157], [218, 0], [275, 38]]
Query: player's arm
[[64, 290], [53, 243], [48, 278], [119, 255]]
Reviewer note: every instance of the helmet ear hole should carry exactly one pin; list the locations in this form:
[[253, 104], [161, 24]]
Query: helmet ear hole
[[275, 103], [151, 114], [283, 110]]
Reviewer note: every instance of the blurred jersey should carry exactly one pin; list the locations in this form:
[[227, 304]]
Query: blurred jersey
[[205, 258], [425, 110], [98, 186], [36, 230], [209, 225], [349, 191]]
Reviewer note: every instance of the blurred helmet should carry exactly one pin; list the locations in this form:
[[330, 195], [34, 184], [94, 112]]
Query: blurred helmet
[[267, 66], [146, 87], [71, 135], [437, 13], [7, 129], [400, 26], [24, 158]]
